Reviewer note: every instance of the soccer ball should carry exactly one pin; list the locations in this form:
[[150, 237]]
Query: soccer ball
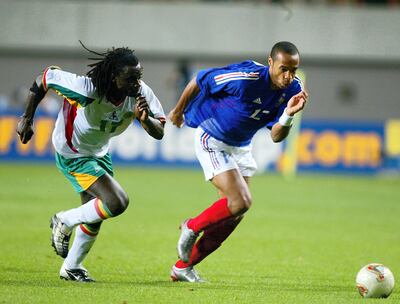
[[375, 281]]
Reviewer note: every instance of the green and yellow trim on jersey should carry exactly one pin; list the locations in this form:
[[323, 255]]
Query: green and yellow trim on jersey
[[75, 89], [52, 67], [74, 98]]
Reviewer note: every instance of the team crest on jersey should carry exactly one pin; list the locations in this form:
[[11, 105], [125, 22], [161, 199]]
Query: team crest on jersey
[[281, 100], [113, 116]]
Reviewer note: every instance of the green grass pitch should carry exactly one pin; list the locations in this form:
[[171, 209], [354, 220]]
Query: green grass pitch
[[303, 241]]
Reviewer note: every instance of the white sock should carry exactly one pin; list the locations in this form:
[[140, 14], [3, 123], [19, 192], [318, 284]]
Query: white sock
[[92, 212], [83, 242]]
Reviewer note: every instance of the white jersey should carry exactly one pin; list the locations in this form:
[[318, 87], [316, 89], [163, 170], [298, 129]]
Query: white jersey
[[85, 123]]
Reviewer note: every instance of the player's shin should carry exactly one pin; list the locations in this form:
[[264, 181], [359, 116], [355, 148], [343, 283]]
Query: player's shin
[[92, 212], [214, 214], [85, 236]]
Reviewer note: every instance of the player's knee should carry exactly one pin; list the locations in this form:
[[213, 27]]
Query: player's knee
[[119, 202], [241, 204], [123, 201], [245, 205], [248, 202]]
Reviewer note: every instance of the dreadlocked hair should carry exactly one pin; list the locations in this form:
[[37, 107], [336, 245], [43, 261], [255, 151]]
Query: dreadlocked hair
[[108, 65]]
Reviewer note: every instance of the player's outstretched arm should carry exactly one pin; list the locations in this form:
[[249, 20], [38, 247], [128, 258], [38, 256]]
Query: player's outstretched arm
[[281, 129], [153, 126], [25, 124], [176, 114]]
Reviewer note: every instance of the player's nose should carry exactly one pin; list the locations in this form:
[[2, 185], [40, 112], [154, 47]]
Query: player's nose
[[286, 75], [289, 76]]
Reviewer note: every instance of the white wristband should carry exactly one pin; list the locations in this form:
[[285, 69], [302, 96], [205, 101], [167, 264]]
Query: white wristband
[[285, 120]]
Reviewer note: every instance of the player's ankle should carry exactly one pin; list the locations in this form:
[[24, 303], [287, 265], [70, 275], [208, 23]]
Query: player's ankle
[[180, 264]]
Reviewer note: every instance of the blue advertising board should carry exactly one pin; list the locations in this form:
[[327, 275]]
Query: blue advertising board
[[322, 146]]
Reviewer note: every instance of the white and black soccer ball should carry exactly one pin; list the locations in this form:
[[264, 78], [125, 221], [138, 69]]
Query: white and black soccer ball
[[375, 281]]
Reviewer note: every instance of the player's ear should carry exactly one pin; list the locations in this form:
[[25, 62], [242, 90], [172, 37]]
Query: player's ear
[[270, 61]]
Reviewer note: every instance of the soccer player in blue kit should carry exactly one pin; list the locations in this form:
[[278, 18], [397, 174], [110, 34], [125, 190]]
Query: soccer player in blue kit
[[227, 106]]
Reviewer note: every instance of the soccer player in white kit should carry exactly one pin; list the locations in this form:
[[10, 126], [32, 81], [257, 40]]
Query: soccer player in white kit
[[96, 108]]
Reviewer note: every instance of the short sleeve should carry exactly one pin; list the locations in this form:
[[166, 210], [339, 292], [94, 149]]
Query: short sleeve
[[229, 79], [78, 90]]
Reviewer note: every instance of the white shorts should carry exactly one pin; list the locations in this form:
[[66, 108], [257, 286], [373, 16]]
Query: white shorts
[[216, 156]]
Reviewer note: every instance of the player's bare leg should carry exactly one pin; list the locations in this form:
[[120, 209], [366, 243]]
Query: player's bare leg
[[110, 191], [232, 185]]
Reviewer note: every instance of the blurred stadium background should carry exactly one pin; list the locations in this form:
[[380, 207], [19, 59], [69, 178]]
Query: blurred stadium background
[[309, 236], [349, 51]]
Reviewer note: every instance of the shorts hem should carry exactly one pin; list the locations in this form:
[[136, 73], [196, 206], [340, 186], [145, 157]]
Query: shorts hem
[[217, 172]]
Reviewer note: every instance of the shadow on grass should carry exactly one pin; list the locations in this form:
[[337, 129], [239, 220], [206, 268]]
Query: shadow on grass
[[46, 279]]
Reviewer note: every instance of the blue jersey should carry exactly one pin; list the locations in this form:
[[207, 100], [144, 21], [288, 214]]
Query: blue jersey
[[236, 101]]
